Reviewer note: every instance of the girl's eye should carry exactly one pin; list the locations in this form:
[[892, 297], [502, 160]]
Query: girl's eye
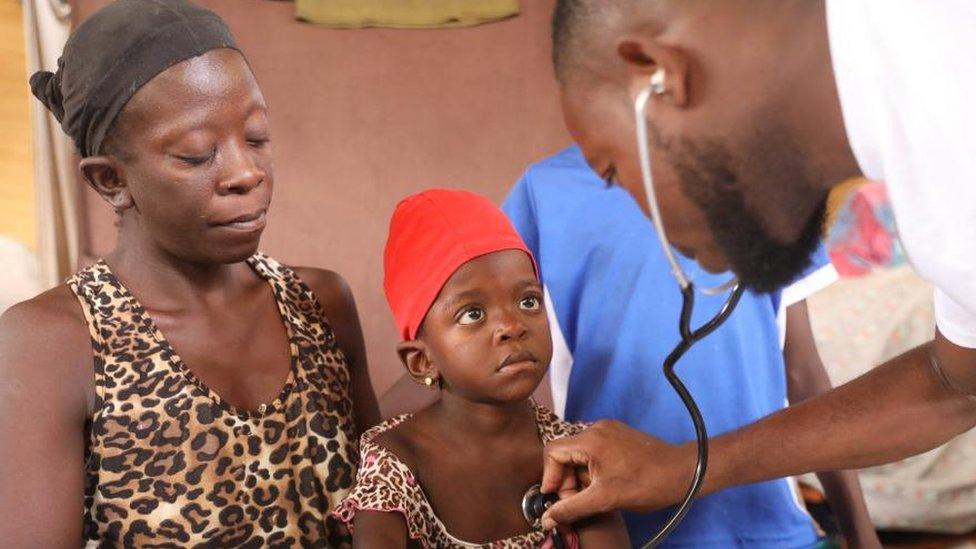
[[259, 142], [530, 303], [471, 316]]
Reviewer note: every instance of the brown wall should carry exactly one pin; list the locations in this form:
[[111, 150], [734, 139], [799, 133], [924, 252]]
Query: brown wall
[[363, 117]]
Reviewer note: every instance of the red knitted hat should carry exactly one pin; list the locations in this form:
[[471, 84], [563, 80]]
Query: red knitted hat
[[431, 235]]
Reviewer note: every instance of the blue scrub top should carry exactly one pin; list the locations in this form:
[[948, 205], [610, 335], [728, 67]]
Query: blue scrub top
[[615, 305]]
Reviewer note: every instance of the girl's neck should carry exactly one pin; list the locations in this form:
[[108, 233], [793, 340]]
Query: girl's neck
[[484, 420]]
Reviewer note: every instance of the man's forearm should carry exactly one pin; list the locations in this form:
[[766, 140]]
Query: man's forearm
[[902, 408]]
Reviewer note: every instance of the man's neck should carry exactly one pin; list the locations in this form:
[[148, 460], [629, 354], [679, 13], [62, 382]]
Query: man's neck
[[815, 108]]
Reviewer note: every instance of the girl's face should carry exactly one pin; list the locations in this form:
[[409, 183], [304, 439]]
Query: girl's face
[[487, 334], [196, 159]]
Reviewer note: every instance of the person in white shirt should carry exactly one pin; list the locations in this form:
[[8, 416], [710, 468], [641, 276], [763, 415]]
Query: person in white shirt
[[757, 109]]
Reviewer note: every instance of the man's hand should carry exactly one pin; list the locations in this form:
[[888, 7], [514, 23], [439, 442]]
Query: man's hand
[[611, 466], [906, 406]]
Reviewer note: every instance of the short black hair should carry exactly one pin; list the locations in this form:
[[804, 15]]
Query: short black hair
[[582, 25], [566, 22], [576, 26]]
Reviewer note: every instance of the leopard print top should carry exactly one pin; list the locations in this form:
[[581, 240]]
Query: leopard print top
[[384, 483], [169, 464]]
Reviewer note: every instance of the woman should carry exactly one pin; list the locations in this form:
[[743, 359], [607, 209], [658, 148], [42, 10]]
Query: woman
[[201, 393]]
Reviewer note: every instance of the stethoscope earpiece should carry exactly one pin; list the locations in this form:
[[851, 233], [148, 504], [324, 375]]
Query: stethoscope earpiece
[[689, 335], [657, 82]]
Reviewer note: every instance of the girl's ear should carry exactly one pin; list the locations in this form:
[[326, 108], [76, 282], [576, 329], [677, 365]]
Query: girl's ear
[[417, 360]]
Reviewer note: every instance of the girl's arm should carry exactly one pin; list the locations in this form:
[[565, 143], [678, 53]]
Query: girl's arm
[[602, 531], [380, 530]]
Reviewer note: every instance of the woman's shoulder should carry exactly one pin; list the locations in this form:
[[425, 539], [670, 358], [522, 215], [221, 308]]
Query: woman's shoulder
[[327, 286], [52, 316], [333, 295], [47, 338]]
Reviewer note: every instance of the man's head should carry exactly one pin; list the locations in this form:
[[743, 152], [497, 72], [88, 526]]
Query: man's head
[[745, 135]]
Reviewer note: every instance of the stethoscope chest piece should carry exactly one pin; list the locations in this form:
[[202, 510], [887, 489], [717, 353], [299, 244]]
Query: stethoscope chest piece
[[535, 503]]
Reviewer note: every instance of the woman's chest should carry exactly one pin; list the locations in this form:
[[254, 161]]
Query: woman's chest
[[245, 358], [182, 468]]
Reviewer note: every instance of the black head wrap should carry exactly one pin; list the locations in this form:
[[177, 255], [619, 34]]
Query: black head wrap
[[115, 52]]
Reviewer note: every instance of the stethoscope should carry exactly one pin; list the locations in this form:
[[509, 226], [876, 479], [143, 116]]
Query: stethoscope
[[534, 503]]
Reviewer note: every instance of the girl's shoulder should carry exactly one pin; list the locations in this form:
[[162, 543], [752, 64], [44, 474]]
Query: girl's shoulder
[[397, 439], [380, 467], [552, 427], [392, 442], [393, 435], [383, 432], [385, 484]]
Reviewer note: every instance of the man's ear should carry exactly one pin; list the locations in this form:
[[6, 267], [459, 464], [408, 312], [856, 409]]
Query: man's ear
[[105, 175], [643, 56], [416, 359]]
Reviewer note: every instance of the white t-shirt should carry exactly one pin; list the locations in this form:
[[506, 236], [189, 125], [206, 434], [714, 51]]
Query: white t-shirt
[[906, 77]]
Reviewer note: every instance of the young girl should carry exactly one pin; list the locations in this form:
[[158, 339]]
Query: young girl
[[186, 391], [467, 300]]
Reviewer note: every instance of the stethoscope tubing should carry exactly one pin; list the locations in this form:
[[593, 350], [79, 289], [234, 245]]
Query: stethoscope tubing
[[534, 503], [688, 338]]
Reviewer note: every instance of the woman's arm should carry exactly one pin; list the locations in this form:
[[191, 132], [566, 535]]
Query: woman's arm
[[606, 530], [807, 378], [376, 529], [337, 300], [46, 392]]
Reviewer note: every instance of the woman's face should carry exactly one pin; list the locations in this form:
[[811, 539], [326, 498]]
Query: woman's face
[[194, 153]]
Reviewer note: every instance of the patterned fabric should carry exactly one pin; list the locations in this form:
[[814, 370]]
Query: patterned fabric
[[385, 483], [863, 235], [170, 464]]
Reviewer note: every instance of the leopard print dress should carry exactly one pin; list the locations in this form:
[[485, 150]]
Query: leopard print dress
[[384, 483], [169, 464]]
